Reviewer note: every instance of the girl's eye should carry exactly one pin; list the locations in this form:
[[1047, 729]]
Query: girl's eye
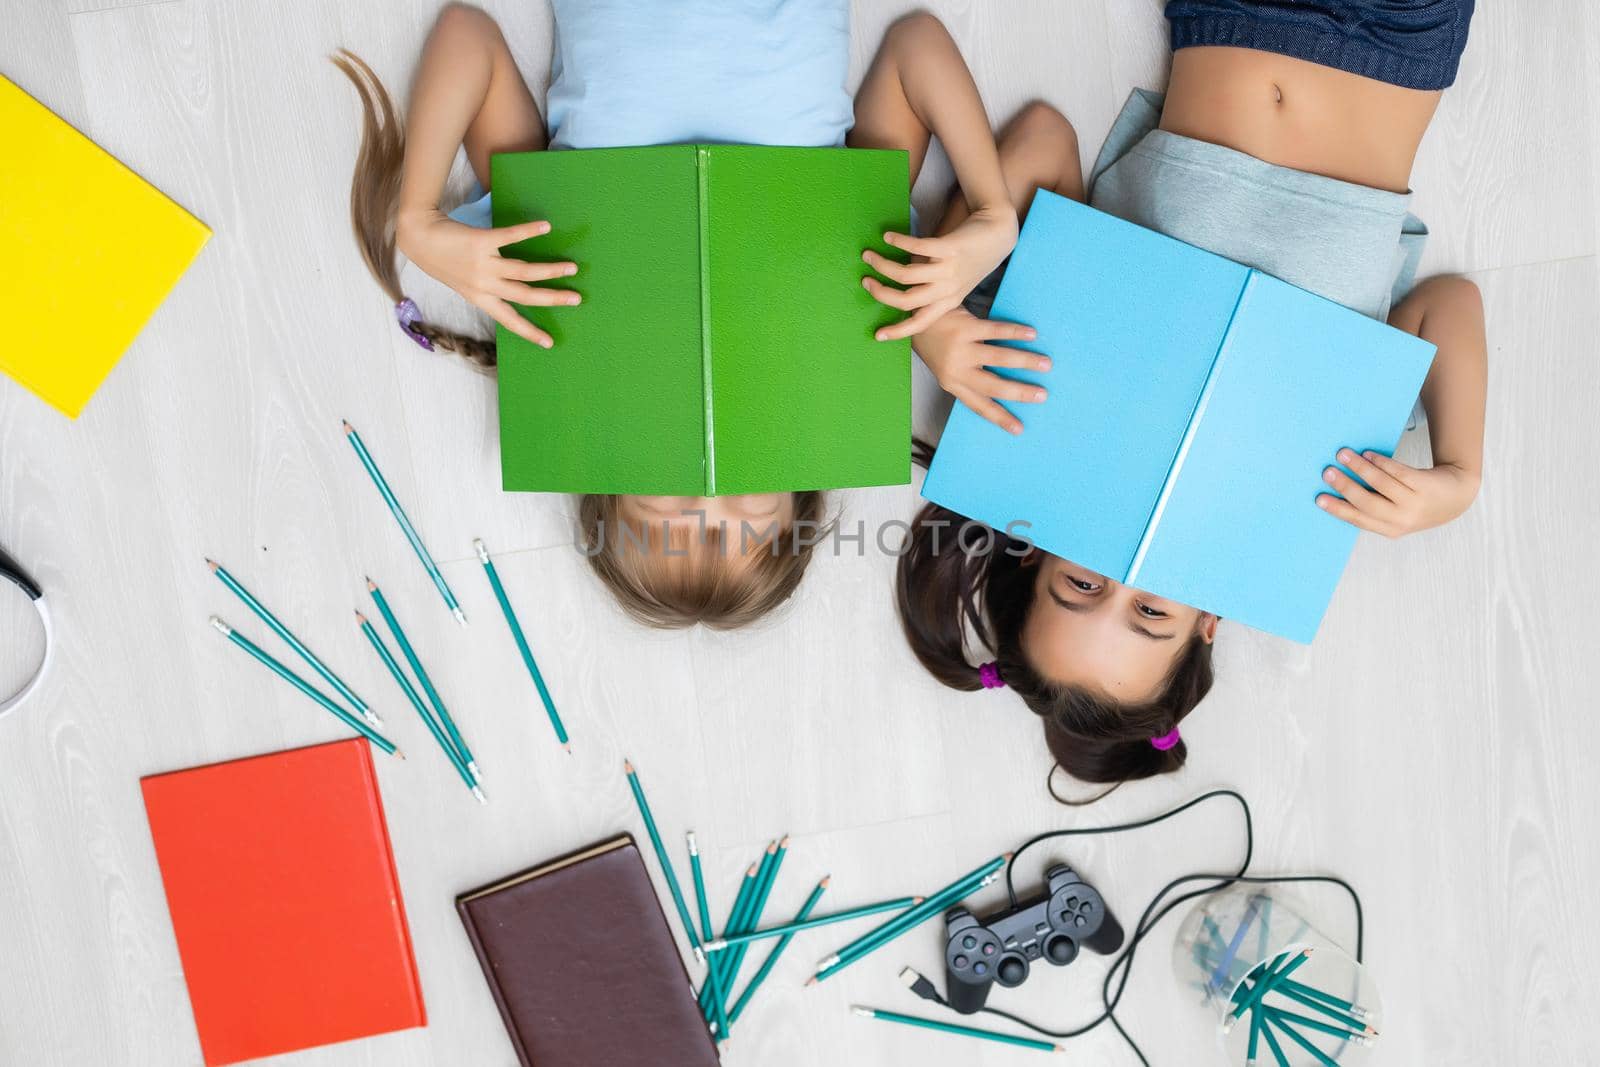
[[1087, 587], [1151, 613]]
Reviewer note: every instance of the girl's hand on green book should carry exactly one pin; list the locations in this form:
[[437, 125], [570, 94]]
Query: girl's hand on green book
[[1396, 499], [955, 349], [945, 269], [468, 260]]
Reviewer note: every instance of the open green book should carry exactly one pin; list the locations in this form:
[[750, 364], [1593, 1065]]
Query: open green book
[[724, 343]]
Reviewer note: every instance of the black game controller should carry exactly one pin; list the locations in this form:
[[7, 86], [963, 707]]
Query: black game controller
[[1070, 914]]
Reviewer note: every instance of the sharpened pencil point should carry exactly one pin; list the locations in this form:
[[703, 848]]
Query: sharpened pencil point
[[917, 900], [361, 620], [568, 747], [347, 427], [372, 586], [627, 767], [398, 754], [772, 849], [785, 842], [213, 564], [811, 981], [755, 868], [827, 879]]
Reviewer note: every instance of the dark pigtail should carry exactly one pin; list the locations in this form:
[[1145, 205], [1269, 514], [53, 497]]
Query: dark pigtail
[[374, 202]]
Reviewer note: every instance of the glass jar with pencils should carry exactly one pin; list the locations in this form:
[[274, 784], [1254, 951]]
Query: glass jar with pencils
[[1283, 994]]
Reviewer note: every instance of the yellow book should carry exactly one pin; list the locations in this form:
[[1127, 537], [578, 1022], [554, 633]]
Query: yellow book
[[88, 249]]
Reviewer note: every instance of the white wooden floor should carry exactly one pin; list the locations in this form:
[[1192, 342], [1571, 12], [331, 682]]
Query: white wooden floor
[[1437, 746]]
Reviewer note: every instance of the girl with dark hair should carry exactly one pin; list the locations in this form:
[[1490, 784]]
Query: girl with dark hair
[[1285, 142]]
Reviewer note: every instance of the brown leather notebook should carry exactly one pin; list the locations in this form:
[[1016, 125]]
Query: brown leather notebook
[[583, 967]]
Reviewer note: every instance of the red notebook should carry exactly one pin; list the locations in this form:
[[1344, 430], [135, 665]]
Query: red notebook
[[283, 895]]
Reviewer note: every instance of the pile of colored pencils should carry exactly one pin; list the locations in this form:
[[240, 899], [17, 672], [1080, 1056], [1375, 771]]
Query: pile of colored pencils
[[434, 714], [723, 954], [367, 725], [928, 908], [1284, 1013]]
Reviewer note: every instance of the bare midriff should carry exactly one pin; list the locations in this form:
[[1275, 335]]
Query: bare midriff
[[1298, 114]]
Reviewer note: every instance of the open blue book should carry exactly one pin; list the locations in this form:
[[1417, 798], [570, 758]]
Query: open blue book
[[1194, 403]]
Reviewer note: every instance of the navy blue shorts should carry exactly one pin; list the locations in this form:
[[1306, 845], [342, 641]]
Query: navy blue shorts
[[1416, 44]]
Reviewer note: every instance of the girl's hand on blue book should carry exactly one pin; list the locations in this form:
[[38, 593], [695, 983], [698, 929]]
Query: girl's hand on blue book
[[468, 260], [955, 349], [1396, 499], [944, 270]]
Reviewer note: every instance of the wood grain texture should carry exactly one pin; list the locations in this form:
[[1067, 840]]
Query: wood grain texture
[[1433, 746]]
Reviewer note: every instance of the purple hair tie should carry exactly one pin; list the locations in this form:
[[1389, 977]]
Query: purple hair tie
[[989, 675], [1166, 741], [407, 314]]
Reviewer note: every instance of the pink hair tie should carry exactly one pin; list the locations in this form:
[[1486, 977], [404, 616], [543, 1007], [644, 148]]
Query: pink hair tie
[[989, 675], [407, 314], [1166, 741]]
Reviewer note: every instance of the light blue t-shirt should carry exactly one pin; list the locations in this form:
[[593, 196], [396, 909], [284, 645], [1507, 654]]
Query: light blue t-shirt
[[647, 72]]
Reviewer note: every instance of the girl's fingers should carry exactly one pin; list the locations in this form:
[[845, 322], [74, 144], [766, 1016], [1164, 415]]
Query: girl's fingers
[[1380, 480], [899, 299], [988, 409], [535, 296], [924, 317], [917, 246], [1392, 467], [1364, 499], [994, 330], [510, 235], [1343, 509], [904, 273], [518, 271], [506, 315], [1005, 389]]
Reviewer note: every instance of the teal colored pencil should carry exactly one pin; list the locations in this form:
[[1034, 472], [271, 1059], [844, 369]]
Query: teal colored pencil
[[400, 517], [777, 951], [738, 952], [1361, 1035], [1272, 973], [736, 914], [903, 904], [900, 924], [661, 855], [1328, 1011], [1255, 1037], [1350, 1007], [718, 1018], [739, 920], [1271, 1022], [701, 903], [727, 963], [1277, 1049], [294, 642], [422, 709], [421, 672], [522, 644], [307, 688], [960, 1031]]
